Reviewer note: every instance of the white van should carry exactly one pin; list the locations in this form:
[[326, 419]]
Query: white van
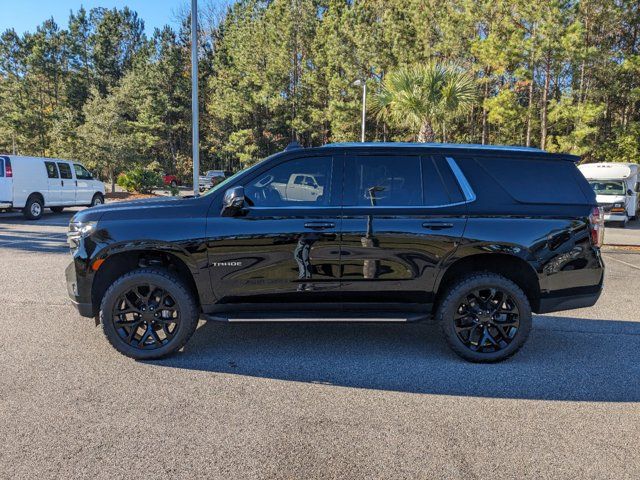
[[616, 187], [33, 184]]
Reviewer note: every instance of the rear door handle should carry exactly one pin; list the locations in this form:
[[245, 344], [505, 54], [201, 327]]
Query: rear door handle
[[437, 225], [319, 225]]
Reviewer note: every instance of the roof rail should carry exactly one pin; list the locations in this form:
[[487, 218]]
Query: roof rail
[[293, 146]]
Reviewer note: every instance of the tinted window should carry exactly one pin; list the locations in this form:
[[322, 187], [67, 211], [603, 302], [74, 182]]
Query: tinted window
[[440, 185], [81, 172], [449, 179], [383, 181], [1, 167], [284, 185], [536, 180], [52, 171], [65, 170]]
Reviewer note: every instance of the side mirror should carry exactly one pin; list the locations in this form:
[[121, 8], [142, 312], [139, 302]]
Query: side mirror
[[630, 192], [233, 201]]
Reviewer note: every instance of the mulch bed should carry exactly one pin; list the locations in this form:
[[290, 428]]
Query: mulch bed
[[122, 196]]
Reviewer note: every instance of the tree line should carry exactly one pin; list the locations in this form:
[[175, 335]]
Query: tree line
[[562, 75]]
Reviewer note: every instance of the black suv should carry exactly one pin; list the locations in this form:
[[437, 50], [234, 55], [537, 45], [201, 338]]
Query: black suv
[[477, 236]]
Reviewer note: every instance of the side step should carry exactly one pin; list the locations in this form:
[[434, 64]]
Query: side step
[[313, 317]]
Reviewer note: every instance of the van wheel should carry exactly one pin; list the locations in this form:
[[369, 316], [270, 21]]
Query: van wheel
[[485, 317], [33, 208], [174, 184], [148, 313], [57, 209], [98, 199]]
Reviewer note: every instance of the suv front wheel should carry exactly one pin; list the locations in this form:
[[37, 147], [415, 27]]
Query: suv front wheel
[[148, 313], [485, 317]]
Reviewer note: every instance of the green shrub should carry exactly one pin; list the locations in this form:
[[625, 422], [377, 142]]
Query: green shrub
[[139, 180]]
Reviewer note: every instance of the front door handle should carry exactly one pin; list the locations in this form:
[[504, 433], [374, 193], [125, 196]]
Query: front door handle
[[319, 225], [62, 182], [437, 225]]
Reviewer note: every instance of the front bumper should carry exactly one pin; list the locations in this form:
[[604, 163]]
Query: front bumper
[[615, 217], [78, 292]]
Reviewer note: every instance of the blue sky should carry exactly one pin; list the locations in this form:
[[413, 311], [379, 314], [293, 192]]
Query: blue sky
[[26, 15]]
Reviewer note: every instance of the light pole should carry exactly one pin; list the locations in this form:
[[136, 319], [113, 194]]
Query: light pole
[[363, 83], [194, 96]]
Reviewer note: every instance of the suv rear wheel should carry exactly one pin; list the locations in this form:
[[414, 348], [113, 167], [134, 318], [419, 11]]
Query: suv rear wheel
[[148, 313], [485, 317]]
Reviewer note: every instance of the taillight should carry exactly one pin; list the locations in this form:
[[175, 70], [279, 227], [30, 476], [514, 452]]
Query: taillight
[[596, 226], [7, 168]]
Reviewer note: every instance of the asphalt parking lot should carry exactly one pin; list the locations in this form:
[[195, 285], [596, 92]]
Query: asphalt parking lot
[[309, 401]]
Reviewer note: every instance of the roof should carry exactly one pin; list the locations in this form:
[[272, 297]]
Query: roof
[[463, 147], [455, 146], [608, 171]]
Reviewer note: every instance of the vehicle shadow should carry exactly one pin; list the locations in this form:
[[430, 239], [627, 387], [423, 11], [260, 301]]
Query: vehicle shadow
[[19, 234], [48, 219], [565, 359]]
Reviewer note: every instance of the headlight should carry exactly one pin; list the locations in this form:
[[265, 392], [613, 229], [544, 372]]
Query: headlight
[[78, 231]]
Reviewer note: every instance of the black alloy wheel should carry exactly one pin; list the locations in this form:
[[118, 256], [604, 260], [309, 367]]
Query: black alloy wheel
[[148, 313], [487, 320], [485, 317], [146, 317]]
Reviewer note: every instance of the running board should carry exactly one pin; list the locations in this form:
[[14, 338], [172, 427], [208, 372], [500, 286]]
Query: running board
[[243, 317]]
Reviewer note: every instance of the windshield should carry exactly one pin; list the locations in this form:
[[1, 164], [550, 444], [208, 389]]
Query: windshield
[[607, 187], [225, 182]]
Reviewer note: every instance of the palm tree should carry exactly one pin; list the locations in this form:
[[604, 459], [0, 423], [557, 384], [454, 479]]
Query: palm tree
[[421, 96]]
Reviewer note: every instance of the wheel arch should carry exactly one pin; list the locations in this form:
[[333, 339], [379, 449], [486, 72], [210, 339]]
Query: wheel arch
[[510, 266], [116, 264]]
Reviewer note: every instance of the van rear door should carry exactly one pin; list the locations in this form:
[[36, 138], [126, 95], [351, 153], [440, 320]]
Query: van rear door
[[6, 182]]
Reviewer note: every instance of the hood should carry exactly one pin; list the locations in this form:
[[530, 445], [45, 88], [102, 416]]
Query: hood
[[607, 199], [96, 213]]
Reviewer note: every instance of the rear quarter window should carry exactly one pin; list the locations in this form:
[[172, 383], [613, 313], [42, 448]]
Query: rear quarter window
[[546, 181], [1, 167]]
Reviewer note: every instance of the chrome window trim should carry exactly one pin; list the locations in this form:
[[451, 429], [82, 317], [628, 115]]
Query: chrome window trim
[[467, 191]]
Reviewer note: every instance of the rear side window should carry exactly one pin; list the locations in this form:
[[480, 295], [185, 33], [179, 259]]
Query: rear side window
[[383, 181], [536, 180], [1, 167], [52, 171], [65, 170], [440, 185]]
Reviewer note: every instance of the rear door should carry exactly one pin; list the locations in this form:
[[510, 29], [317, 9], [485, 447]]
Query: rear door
[[67, 184], [54, 184], [402, 216], [6, 182]]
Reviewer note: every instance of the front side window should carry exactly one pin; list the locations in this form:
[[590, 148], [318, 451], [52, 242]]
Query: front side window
[[383, 181], [81, 172], [52, 170], [299, 182], [65, 170]]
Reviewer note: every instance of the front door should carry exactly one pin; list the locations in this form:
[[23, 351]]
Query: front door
[[285, 245], [402, 216], [84, 182], [67, 184]]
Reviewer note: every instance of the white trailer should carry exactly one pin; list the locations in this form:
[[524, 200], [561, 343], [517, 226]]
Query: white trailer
[[616, 187]]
